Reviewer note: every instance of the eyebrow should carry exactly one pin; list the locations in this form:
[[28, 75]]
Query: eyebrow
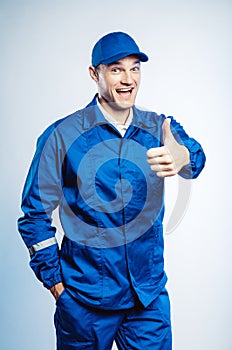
[[118, 63]]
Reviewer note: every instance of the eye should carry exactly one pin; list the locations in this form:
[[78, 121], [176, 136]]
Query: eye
[[135, 69], [115, 70]]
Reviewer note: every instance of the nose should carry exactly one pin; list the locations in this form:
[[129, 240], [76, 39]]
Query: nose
[[127, 78]]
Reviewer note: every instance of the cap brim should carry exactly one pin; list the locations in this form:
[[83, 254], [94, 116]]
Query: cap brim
[[142, 57]]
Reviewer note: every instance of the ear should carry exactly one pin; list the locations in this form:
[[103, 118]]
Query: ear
[[93, 73]]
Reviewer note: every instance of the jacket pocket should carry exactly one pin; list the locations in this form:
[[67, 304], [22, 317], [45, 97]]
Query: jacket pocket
[[82, 269]]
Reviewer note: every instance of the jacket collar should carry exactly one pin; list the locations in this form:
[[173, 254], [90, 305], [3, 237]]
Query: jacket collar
[[92, 116]]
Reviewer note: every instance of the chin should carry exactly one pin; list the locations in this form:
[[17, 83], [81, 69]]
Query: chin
[[126, 103], [123, 106]]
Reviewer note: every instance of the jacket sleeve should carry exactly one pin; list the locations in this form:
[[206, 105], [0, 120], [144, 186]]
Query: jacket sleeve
[[197, 155], [40, 197]]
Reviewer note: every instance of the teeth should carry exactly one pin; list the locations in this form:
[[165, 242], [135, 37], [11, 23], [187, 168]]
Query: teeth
[[124, 90]]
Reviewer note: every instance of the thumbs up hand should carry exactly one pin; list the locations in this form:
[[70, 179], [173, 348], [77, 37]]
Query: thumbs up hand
[[169, 159]]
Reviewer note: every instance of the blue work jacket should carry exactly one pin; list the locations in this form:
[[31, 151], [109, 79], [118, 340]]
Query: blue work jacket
[[110, 203]]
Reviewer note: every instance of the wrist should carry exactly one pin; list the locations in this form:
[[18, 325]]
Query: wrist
[[57, 289], [186, 156]]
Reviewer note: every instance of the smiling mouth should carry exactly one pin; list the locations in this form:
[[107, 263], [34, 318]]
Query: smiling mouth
[[125, 91]]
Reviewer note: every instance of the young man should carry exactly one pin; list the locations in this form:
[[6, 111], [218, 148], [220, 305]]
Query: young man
[[104, 166]]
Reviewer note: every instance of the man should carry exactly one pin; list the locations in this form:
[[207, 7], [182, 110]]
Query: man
[[104, 166]]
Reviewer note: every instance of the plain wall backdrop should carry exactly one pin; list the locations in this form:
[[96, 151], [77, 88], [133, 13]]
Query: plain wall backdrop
[[45, 53]]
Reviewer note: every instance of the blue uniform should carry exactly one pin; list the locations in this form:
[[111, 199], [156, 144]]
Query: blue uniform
[[110, 206]]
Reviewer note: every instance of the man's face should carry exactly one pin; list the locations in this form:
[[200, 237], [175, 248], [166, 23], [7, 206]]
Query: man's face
[[118, 82]]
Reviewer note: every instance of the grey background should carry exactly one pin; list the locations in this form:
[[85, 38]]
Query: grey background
[[45, 53]]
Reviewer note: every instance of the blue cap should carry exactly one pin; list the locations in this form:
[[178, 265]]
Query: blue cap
[[113, 47]]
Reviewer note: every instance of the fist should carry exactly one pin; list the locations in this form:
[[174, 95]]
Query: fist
[[169, 159]]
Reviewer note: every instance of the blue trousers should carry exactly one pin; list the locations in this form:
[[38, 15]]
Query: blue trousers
[[81, 327]]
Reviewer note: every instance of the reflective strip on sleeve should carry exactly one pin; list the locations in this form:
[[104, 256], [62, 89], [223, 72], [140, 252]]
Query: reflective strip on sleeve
[[41, 245]]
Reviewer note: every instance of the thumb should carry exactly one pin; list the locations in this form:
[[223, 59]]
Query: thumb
[[167, 133]]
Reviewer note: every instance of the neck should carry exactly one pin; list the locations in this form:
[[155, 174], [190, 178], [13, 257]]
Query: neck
[[120, 115]]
